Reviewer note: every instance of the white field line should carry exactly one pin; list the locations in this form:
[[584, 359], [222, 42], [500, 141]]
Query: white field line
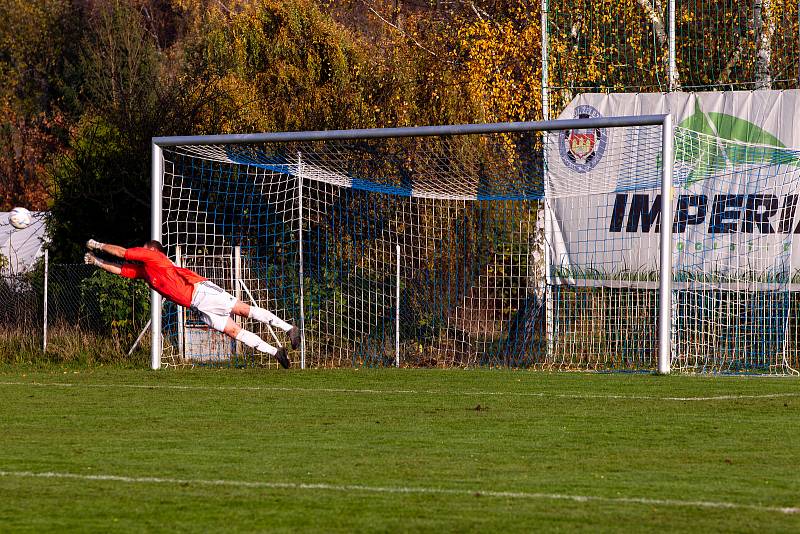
[[406, 490], [542, 394]]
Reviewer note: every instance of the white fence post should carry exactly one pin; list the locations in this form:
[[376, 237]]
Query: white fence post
[[397, 314], [672, 76], [44, 318], [301, 274]]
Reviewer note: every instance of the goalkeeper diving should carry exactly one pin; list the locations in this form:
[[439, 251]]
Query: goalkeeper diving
[[190, 290]]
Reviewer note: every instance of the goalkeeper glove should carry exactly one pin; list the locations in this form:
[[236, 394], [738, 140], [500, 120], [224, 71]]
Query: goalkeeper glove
[[94, 245], [89, 259]]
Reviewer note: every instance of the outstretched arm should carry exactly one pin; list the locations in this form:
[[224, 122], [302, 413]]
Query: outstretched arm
[[114, 250], [112, 268]]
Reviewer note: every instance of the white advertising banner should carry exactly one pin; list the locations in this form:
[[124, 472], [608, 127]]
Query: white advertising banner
[[736, 187]]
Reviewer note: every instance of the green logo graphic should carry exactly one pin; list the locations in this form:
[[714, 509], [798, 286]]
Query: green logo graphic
[[717, 141]]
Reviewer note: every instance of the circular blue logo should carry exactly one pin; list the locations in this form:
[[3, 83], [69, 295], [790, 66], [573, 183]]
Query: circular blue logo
[[582, 149]]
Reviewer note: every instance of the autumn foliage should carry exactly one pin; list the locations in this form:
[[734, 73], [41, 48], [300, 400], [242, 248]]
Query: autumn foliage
[[85, 84]]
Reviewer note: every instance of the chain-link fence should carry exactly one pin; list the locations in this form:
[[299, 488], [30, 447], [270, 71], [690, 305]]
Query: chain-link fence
[[638, 46], [70, 311]]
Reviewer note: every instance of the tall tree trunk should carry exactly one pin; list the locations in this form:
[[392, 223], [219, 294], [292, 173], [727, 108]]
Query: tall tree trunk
[[764, 26], [659, 18]]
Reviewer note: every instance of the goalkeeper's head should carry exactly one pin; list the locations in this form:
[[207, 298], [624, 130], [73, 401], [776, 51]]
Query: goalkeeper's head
[[155, 245]]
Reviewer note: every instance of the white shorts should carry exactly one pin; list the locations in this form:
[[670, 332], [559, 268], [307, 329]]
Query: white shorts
[[213, 303]]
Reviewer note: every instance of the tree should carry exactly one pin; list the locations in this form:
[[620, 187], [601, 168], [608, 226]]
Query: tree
[[101, 191], [283, 66], [134, 92], [39, 93], [764, 29], [500, 55], [101, 183], [25, 146]]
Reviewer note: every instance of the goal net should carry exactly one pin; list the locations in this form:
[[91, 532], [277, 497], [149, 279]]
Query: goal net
[[527, 245], [735, 270]]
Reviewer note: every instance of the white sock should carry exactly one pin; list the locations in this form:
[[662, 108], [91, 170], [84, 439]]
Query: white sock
[[253, 341], [266, 316]]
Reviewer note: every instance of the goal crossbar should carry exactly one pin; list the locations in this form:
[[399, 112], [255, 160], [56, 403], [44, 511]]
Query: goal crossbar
[[412, 131]]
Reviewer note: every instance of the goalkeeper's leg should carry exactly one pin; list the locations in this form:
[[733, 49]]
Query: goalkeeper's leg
[[253, 341], [265, 316]]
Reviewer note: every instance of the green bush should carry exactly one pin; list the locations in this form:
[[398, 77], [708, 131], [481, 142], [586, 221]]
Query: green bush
[[124, 305]]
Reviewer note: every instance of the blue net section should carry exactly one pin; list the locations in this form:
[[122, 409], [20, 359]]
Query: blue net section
[[445, 223], [216, 211], [505, 167]]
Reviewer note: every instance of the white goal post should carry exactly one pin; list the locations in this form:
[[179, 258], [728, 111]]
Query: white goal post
[[464, 204]]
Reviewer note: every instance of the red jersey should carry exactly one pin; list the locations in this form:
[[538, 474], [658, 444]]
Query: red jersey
[[172, 282]]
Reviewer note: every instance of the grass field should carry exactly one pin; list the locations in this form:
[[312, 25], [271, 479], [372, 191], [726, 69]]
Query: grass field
[[396, 450]]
